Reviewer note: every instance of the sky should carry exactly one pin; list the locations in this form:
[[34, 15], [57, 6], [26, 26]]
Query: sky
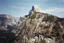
[[19, 8]]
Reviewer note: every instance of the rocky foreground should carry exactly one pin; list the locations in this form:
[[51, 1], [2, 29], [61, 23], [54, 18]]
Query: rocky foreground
[[36, 27]]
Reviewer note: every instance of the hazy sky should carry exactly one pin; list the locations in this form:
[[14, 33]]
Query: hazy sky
[[22, 7]]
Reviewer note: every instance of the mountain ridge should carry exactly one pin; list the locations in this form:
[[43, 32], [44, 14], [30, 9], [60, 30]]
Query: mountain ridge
[[42, 28], [37, 27]]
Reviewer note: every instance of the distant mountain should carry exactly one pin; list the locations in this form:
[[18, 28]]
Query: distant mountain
[[10, 28], [6, 19]]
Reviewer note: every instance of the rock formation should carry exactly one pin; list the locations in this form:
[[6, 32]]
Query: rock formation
[[39, 27], [42, 28]]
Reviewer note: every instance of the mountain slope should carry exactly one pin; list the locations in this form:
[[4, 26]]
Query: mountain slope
[[10, 28], [36, 27], [42, 28]]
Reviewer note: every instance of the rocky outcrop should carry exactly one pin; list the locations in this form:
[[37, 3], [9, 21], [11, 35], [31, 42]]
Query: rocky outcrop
[[42, 28], [37, 27]]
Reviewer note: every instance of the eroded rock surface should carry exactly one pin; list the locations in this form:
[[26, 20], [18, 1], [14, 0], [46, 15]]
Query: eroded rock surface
[[42, 28]]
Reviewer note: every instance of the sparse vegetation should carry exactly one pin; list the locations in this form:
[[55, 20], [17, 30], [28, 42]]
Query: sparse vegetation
[[48, 18]]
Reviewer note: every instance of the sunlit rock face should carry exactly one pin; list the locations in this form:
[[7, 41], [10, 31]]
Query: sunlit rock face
[[41, 28]]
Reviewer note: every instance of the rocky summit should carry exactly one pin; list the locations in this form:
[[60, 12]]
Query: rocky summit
[[36, 27]]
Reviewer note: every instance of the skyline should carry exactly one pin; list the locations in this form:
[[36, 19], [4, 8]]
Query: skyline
[[22, 7]]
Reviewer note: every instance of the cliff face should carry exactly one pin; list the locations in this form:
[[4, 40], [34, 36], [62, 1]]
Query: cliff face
[[42, 28]]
